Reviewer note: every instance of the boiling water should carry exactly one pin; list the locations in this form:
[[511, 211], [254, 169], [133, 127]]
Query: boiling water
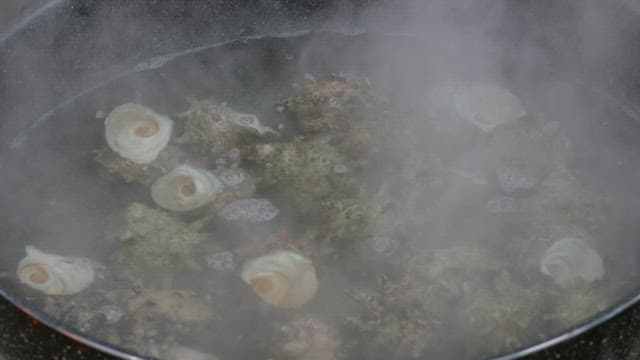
[[57, 201]]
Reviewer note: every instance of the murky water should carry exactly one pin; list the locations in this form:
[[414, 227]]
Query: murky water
[[445, 264]]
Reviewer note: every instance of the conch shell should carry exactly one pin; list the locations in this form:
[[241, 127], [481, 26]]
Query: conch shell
[[283, 278], [137, 133], [185, 188], [54, 274], [570, 259]]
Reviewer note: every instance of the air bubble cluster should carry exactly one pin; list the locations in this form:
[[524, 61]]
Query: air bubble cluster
[[383, 245], [252, 210], [221, 261], [232, 177]]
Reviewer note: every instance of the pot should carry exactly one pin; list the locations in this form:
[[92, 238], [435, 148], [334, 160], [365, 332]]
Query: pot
[[60, 51]]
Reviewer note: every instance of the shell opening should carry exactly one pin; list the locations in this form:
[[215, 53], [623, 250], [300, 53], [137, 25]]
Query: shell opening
[[146, 128], [557, 271], [262, 285], [187, 187], [39, 275]]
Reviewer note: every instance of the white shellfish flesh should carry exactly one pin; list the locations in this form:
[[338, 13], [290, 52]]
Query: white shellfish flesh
[[570, 259], [54, 274], [137, 133], [185, 188], [283, 278]]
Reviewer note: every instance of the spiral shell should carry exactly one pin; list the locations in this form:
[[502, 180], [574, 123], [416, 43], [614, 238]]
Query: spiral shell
[[185, 188], [283, 278], [55, 274], [570, 259], [137, 133]]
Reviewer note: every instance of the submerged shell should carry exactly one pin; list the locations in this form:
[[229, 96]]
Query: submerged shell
[[486, 106], [185, 188], [55, 274], [283, 278], [570, 259], [137, 133]]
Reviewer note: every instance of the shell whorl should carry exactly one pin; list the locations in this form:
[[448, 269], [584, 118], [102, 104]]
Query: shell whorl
[[185, 188], [283, 278], [570, 259], [54, 274], [137, 133]]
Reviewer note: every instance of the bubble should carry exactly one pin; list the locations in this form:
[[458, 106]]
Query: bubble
[[511, 179], [104, 315], [232, 177], [252, 210], [383, 245], [112, 314], [221, 261], [340, 169], [247, 120]]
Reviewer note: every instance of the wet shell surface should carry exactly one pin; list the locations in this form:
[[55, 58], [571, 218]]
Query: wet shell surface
[[283, 278], [137, 133], [486, 106], [185, 188], [54, 274], [570, 259]]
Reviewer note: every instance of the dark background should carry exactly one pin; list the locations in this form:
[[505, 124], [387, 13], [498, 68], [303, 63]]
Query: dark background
[[9, 8]]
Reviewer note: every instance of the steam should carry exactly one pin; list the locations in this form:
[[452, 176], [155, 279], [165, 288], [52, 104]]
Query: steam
[[546, 56]]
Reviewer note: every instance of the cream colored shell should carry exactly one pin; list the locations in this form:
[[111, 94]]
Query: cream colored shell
[[55, 274], [185, 188], [137, 133], [486, 106], [283, 278], [570, 259]]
